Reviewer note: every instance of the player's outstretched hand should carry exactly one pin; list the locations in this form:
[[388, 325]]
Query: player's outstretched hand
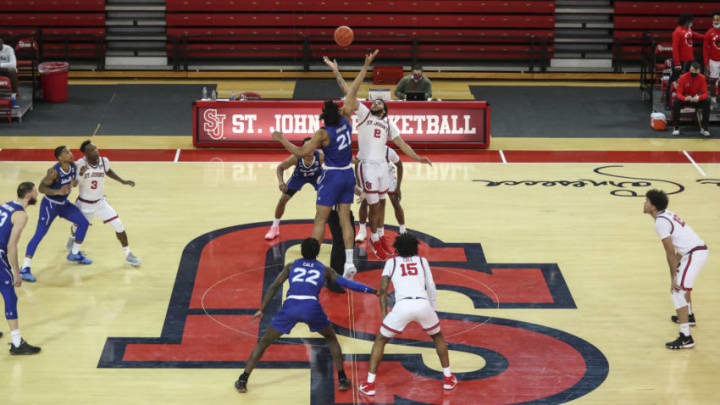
[[283, 187], [425, 159], [370, 57], [129, 183], [258, 315], [332, 64], [277, 135]]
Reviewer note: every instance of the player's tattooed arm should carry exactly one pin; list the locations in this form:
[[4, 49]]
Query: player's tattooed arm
[[48, 181], [284, 165], [115, 176], [408, 150], [384, 282], [338, 77], [276, 284]]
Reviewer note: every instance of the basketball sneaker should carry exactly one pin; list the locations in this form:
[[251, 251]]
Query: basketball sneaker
[[241, 385], [24, 348], [361, 235], [682, 342], [26, 275], [132, 260], [389, 250], [449, 382], [273, 233], [676, 131], [79, 258], [367, 388], [350, 271], [377, 248], [691, 319], [343, 383], [704, 132]]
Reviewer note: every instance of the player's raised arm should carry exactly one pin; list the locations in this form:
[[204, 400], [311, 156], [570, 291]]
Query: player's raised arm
[[19, 219], [408, 150], [319, 139], [351, 102], [276, 284], [48, 181], [332, 64], [332, 276]]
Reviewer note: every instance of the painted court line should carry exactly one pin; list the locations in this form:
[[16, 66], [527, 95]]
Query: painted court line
[[694, 164], [502, 156], [177, 156]]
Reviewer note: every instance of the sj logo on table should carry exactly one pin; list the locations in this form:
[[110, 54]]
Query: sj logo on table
[[218, 287]]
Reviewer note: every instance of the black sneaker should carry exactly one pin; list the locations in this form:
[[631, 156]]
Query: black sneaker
[[682, 342], [24, 348], [691, 319], [241, 385], [343, 383]]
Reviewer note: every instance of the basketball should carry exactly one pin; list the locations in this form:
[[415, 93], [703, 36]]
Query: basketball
[[343, 35]]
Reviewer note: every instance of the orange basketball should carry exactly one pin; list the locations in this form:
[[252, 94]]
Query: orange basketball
[[343, 35]]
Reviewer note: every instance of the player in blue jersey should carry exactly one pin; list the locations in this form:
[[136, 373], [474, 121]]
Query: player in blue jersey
[[12, 221], [306, 276], [56, 186], [307, 171], [337, 185]]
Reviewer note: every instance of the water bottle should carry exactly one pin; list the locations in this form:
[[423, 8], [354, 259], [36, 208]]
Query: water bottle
[[213, 95], [204, 93]]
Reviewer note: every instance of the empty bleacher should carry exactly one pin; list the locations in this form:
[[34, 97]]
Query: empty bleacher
[[421, 30]]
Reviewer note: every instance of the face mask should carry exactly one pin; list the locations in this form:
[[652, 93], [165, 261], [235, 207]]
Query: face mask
[[693, 74], [417, 76], [716, 26]]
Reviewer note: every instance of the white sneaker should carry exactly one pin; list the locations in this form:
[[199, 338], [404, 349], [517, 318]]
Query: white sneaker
[[361, 236], [350, 271], [704, 132], [273, 233], [676, 131], [132, 260]]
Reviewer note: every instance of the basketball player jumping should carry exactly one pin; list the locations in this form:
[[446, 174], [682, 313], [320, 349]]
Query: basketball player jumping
[[306, 276], [56, 186], [686, 255], [12, 222], [307, 171], [91, 199], [395, 174], [374, 128], [337, 185], [415, 301]]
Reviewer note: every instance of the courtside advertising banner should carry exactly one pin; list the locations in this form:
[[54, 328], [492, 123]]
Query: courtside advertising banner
[[446, 124]]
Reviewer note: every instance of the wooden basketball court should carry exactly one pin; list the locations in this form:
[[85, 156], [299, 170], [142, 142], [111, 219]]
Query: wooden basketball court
[[552, 284]]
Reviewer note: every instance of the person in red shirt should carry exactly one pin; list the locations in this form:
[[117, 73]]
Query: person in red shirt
[[682, 49], [692, 92], [711, 55]]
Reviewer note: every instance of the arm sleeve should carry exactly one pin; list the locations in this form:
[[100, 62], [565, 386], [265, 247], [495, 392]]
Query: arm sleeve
[[697, 35], [354, 285], [680, 86], [429, 283], [676, 43], [706, 48], [703, 88], [663, 227]]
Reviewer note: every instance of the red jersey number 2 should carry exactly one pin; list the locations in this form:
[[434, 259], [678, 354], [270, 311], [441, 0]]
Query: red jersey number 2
[[678, 220]]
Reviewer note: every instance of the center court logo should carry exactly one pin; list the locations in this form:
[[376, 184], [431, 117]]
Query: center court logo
[[223, 275]]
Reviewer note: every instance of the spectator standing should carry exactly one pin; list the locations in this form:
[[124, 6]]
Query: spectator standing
[[711, 55], [682, 50]]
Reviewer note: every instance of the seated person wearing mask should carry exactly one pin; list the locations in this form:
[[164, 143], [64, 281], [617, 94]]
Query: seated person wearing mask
[[692, 92], [416, 82]]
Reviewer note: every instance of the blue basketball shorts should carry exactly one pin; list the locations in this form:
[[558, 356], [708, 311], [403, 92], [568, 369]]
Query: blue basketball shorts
[[306, 311], [297, 182], [336, 187]]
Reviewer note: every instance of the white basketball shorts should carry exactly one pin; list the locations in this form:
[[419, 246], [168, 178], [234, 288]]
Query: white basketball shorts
[[690, 266], [100, 209], [410, 310], [375, 180]]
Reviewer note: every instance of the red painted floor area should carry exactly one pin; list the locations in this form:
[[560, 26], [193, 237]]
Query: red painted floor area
[[459, 156]]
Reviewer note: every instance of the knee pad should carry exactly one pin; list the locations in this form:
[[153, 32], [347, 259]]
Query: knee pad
[[678, 298], [117, 225]]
